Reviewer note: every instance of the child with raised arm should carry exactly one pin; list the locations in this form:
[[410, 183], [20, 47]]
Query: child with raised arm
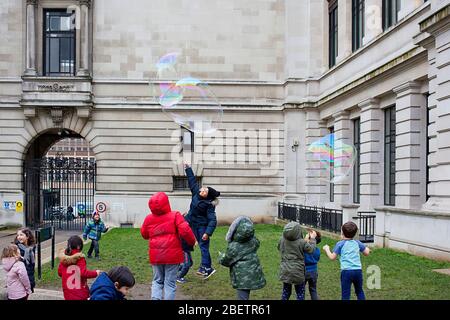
[[202, 219], [351, 269], [312, 273]]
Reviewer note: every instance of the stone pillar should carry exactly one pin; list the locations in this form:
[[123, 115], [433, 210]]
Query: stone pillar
[[437, 24], [315, 178], [371, 144], [84, 38], [344, 29], [31, 39], [373, 17], [410, 174], [342, 135], [408, 6], [294, 130]]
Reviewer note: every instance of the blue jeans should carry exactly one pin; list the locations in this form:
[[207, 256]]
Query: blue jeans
[[349, 277], [299, 290], [204, 246], [311, 280], [186, 265], [164, 277]]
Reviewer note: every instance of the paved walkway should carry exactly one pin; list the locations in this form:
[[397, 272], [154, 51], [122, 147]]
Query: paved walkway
[[7, 236]]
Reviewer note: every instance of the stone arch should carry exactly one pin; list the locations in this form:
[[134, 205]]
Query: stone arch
[[41, 133], [44, 123]]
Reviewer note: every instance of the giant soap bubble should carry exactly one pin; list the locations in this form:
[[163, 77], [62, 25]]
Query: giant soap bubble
[[333, 160], [187, 101]]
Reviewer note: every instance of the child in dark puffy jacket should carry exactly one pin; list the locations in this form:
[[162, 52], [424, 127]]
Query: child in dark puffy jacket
[[114, 285], [311, 260], [187, 263], [202, 219]]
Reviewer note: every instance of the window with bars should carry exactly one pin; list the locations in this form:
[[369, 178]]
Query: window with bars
[[358, 21], [333, 32], [59, 43], [389, 156], [180, 183], [357, 167], [391, 9], [331, 164]]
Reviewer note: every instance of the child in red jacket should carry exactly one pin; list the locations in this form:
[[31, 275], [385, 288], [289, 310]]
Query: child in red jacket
[[72, 269], [163, 228]]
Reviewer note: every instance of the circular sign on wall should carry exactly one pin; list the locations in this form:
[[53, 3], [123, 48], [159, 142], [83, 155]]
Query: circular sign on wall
[[100, 207]]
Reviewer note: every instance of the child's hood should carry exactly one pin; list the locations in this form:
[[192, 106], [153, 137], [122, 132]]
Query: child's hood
[[8, 263], [69, 260], [292, 231], [241, 230], [159, 203]]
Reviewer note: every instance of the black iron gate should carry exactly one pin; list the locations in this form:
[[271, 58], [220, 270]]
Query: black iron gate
[[59, 192]]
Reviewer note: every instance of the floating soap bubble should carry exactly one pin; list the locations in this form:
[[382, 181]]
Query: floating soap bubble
[[333, 159], [166, 74], [192, 104]]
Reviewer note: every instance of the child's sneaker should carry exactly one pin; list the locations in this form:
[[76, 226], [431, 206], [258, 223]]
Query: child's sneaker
[[181, 280], [209, 272], [201, 271]]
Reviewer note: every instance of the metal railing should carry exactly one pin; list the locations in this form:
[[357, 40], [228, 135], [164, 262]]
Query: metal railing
[[366, 226], [315, 217]]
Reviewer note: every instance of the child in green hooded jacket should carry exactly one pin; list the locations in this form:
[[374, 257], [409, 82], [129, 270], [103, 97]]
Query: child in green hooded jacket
[[292, 247], [245, 268]]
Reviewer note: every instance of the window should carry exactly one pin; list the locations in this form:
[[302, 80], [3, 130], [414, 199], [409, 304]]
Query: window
[[357, 23], [391, 9], [180, 183], [59, 43], [428, 153], [332, 32], [357, 167], [389, 156], [331, 164], [187, 140]]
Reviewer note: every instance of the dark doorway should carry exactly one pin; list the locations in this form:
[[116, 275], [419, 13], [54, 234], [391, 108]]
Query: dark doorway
[[59, 190]]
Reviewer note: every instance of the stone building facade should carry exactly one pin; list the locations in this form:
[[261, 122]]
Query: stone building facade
[[373, 72]]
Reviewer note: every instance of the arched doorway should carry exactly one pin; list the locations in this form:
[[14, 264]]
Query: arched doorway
[[59, 181]]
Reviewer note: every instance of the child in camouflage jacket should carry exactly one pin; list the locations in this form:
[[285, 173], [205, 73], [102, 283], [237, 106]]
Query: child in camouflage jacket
[[245, 268]]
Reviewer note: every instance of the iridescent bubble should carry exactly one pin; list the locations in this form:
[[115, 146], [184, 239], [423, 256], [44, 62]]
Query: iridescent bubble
[[167, 62], [166, 74], [192, 104], [334, 160]]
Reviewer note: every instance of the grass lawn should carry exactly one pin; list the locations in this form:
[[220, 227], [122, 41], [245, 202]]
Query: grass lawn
[[403, 276]]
